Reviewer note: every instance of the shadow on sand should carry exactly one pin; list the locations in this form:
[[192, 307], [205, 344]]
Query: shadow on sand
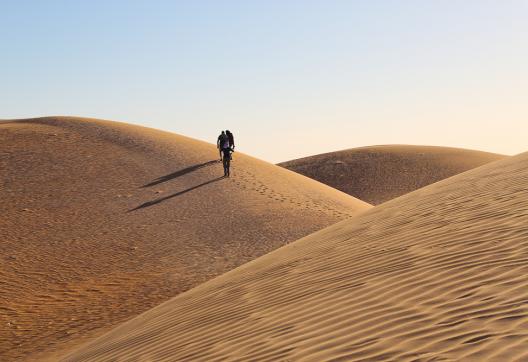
[[179, 173], [157, 201]]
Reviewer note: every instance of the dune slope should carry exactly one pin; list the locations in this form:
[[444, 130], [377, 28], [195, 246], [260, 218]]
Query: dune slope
[[101, 221], [440, 274], [377, 174]]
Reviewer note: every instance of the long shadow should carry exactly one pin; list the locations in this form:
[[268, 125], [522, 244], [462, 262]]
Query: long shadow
[[157, 201], [179, 173]]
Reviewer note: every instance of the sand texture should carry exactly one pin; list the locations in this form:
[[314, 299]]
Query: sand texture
[[101, 221], [377, 174], [440, 274]]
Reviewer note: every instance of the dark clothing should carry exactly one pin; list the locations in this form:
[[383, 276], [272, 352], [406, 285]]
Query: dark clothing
[[226, 152], [222, 139]]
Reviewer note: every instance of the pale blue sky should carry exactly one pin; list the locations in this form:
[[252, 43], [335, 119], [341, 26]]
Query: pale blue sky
[[289, 78]]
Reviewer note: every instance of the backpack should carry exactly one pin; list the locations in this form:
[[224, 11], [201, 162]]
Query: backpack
[[223, 140]]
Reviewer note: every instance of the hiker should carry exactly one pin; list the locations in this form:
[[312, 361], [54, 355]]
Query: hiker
[[222, 142], [231, 139]]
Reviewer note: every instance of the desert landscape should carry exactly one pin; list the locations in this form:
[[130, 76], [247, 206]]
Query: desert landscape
[[102, 221], [264, 181], [439, 274]]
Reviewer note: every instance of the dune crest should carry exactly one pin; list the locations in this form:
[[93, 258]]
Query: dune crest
[[438, 274], [377, 174], [103, 220]]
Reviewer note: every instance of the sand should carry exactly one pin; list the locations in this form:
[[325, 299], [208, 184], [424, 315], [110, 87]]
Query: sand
[[440, 274], [377, 174], [101, 221]]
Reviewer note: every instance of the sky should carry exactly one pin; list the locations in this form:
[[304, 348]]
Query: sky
[[288, 78]]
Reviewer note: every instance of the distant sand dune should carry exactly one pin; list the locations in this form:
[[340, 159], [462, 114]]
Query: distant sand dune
[[377, 174], [101, 221], [440, 274]]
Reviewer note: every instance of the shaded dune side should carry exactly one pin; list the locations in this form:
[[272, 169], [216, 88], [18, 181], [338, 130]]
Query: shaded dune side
[[102, 221], [377, 174], [438, 274]]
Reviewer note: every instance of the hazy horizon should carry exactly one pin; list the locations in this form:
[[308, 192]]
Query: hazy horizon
[[290, 78]]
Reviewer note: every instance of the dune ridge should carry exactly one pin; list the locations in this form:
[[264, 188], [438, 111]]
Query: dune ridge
[[377, 174], [103, 220], [440, 274]]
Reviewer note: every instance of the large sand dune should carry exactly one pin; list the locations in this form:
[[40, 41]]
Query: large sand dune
[[101, 221], [377, 174], [440, 274]]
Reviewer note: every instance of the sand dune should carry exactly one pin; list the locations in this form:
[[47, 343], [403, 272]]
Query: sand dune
[[377, 174], [440, 274], [101, 221]]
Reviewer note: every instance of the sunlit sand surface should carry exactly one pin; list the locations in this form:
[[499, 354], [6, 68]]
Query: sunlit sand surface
[[101, 221], [440, 274]]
